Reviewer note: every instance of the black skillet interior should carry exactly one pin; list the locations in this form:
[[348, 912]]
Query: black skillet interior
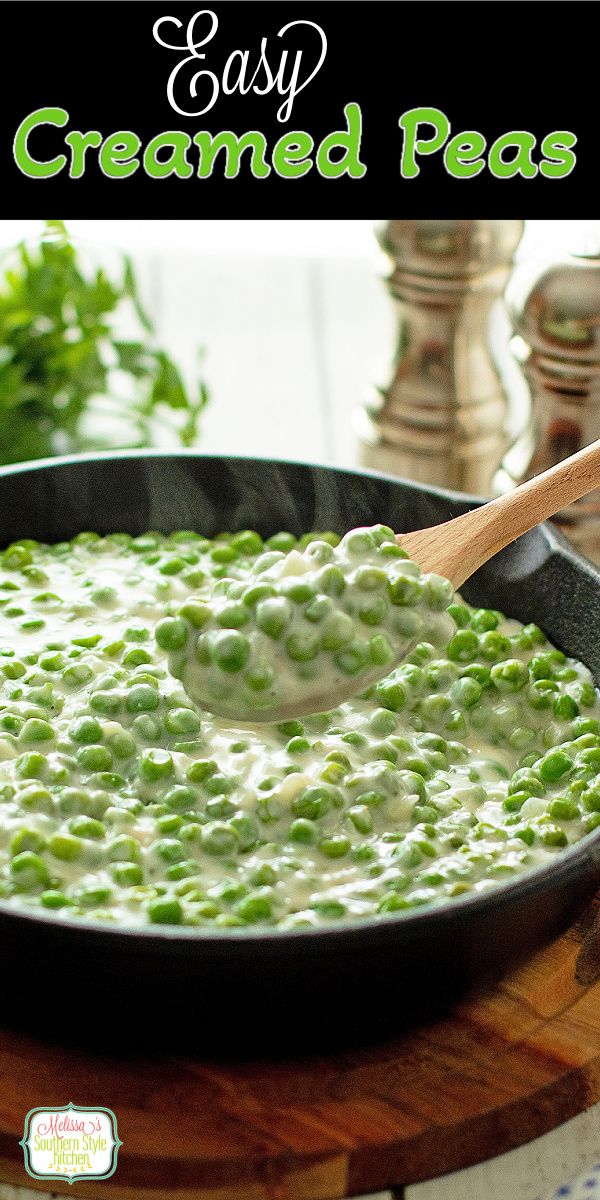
[[281, 990]]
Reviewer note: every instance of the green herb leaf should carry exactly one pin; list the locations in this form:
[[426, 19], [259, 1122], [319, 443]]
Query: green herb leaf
[[63, 365]]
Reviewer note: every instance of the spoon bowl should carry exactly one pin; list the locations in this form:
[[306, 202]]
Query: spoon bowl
[[248, 678]]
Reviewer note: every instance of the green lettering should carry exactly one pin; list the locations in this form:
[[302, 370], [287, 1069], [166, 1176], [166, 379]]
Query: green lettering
[[176, 163], [290, 154], [79, 144], [31, 166], [521, 164], [348, 140], [462, 156], [413, 145], [117, 156], [557, 147], [233, 148]]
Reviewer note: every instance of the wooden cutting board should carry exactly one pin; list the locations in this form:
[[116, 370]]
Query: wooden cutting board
[[501, 1069]]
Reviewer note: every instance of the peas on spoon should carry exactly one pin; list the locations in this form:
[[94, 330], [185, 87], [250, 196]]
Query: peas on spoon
[[316, 627]]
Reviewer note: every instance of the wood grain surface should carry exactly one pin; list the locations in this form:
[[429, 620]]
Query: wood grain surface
[[502, 1068]]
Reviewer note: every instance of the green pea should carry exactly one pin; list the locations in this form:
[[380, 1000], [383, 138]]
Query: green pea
[[336, 846], [541, 694], [553, 835], [127, 874], [77, 675], [230, 651], [200, 770], [121, 744], [255, 907], [142, 697], [562, 809], [36, 799], [233, 616], [223, 553], [219, 838], [382, 722], [312, 802], [52, 898], [525, 780], [170, 823], [247, 829], [303, 830], [544, 666], [380, 650], [85, 730], [29, 872], [494, 646], [273, 615], [95, 758], [194, 611], [531, 635], [586, 695], [218, 784], [291, 729], [298, 745], [337, 631], [554, 765], [31, 765], [464, 646], [391, 694], [182, 720], [65, 846], [515, 801], [283, 541], [169, 849], [438, 592], [330, 908], [92, 897], [302, 647], [36, 730], [171, 633], [136, 657], [155, 764], [353, 658], [361, 818], [404, 590], [16, 557], [52, 661], [26, 839], [11, 723], [370, 579], [15, 669], [146, 728], [123, 849], [259, 677], [460, 615], [583, 725], [330, 580], [510, 675]]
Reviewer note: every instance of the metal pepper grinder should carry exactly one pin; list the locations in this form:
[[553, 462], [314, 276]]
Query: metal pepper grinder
[[554, 308], [440, 417]]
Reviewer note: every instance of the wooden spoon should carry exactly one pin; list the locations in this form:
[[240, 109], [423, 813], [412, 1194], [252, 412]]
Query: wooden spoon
[[459, 547]]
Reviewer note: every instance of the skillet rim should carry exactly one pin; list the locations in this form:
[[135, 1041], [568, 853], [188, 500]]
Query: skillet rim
[[570, 863]]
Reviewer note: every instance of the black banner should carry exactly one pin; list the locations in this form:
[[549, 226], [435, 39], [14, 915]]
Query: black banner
[[297, 109]]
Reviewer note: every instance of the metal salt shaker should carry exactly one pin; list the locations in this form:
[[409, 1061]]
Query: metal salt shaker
[[440, 417], [554, 308]]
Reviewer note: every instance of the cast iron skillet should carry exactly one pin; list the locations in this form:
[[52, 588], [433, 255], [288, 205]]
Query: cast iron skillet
[[250, 990]]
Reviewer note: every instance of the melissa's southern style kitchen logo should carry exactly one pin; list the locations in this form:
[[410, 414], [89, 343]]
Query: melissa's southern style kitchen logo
[[70, 1143], [282, 65]]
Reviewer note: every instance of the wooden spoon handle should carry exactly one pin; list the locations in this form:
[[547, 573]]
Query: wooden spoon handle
[[458, 548]]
